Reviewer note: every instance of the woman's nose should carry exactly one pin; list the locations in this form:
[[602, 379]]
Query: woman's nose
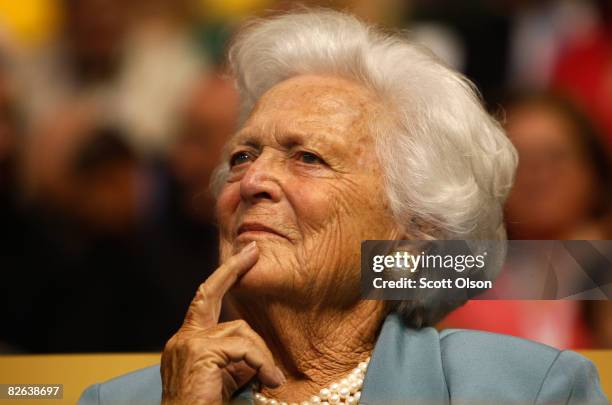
[[261, 181]]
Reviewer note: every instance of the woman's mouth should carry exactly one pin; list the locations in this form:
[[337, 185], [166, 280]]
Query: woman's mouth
[[257, 230]]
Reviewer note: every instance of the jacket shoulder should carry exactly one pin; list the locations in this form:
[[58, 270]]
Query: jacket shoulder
[[138, 387], [507, 368]]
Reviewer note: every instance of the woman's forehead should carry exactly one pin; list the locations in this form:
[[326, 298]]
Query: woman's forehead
[[312, 106], [322, 91]]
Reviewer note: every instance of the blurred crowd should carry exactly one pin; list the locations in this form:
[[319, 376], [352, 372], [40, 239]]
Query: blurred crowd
[[113, 114]]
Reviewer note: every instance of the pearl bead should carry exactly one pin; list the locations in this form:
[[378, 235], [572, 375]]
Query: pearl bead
[[347, 391]]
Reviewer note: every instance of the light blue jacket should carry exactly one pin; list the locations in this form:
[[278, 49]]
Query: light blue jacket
[[425, 367]]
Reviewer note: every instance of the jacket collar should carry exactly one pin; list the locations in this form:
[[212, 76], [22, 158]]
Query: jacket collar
[[406, 365]]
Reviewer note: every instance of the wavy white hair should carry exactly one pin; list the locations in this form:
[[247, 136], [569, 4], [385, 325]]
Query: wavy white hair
[[448, 165]]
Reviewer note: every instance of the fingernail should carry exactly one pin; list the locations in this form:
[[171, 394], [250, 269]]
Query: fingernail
[[281, 376], [250, 247]]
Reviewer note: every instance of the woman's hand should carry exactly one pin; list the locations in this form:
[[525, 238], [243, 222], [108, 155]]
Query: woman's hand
[[205, 362]]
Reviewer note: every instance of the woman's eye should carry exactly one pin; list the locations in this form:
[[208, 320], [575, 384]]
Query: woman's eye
[[310, 158], [239, 158]]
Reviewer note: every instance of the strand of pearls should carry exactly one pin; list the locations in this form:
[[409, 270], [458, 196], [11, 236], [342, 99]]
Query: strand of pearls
[[347, 391]]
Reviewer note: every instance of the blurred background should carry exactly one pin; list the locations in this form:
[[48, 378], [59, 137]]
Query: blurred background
[[113, 114]]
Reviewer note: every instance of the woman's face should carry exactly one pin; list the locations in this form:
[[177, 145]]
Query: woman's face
[[305, 183], [554, 185]]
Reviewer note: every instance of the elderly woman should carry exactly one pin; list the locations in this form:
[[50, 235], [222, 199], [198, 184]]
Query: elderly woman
[[347, 134]]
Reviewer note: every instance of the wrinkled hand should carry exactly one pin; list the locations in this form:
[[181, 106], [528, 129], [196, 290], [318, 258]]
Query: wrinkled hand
[[205, 362]]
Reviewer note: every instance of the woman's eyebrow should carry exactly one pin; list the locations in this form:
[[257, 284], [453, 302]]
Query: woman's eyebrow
[[253, 143], [287, 139], [246, 139], [291, 139]]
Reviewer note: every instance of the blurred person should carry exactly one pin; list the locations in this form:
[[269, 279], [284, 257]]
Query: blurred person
[[135, 65], [209, 118], [84, 192], [583, 70], [186, 243], [82, 61], [94, 31], [540, 31], [69, 156], [481, 28], [162, 63], [108, 182], [562, 191], [12, 216], [347, 134], [564, 181], [9, 130], [104, 238], [48, 150], [103, 94]]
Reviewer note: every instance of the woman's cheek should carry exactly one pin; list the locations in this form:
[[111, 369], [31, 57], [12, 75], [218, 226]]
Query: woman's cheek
[[312, 204], [226, 209], [228, 201]]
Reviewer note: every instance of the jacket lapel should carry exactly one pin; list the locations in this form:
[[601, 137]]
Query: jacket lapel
[[405, 368]]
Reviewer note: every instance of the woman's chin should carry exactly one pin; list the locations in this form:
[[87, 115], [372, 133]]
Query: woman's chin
[[260, 278]]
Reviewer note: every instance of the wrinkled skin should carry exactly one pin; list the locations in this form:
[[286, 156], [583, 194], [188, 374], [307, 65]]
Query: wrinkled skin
[[304, 166], [205, 361], [322, 210]]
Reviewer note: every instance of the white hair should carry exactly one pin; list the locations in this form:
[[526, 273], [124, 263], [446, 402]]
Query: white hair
[[447, 164]]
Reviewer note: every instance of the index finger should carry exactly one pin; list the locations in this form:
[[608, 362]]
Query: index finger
[[205, 307]]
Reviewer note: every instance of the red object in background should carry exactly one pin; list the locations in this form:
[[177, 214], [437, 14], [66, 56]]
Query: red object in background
[[584, 71], [555, 323]]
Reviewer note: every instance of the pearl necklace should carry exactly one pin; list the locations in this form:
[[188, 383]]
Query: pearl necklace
[[347, 391]]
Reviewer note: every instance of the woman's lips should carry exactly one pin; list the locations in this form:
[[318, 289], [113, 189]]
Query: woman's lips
[[256, 228]]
